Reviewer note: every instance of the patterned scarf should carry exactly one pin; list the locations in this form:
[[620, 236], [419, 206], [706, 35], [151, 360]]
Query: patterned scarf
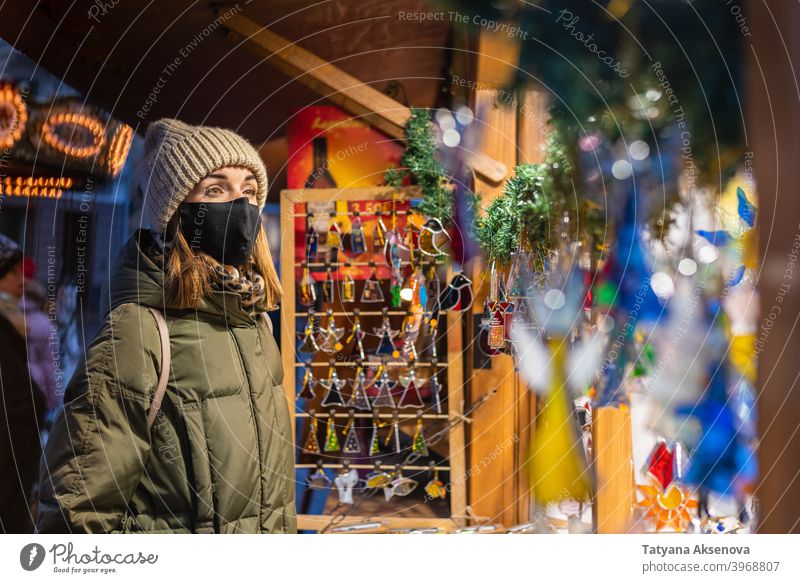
[[244, 280]]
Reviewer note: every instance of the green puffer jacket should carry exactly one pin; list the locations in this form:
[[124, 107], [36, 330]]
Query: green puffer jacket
[[219, 457]]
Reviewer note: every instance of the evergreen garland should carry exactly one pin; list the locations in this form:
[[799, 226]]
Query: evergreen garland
[[420, 166]]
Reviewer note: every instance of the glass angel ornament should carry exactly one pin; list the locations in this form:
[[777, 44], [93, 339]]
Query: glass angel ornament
[[330, 338], [410, 396], [558, 465], [333, 388], [309, 336], [372, 292], [384, 386], [386, 336], [359, 399]]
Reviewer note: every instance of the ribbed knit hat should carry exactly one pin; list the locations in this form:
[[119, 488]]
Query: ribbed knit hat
[[177, 156]]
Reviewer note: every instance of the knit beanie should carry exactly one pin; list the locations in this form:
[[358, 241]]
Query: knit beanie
[[177, 156], [10, 254]]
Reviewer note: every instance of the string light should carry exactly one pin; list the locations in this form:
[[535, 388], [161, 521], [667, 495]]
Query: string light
[[39, 186], [79, 127], [13, 115]]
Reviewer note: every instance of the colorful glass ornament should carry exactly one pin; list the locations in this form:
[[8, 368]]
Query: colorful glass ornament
[[358, 399], [372, 292], [433, 288], [458, 295], [418, 444], [312, 238], [374, 439], [319, 480], [435, 388], [345, 482], [332, 437], [328, 284], [334, 240], [410, 396], [433, 327], [400, 485], [333, 386], [408, 349], [378, 478], [431, 237], [358, 243], [386, 336], [661, 464], [309, 344], [378, 234], [311, 444], [384, 396], [348, 286], [308, 292], [330, 338], [357, 336], [351, 443], [670, 508], [394, 291], [485, 327], [309, 382], [435, 488], [393, 436]]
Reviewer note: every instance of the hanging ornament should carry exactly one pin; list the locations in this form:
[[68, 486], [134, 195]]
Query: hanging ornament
[[308, 292], [333, 386], [330, 337], [386, 336], [319, 480], [372, 292], [457, 295], [357, 337], [483, 336], [374, 439], [311, 444], [393, 436], [345, 482], [384, 386], [348, 286], [408, 349], [394, 250], [312, 238], [433, 327], [334, 240], [309, 344], [332, 437], [435, 488], [497, 326], [435, 387], [359, 400], [351, 443], [394, 290], [433, 288], [358, 243], [309, 382], [378, 234], [669, 508], [410, 396], [418, 444], [432, 236], [400, 485], [378, 478], [328, 285], [661, 464]]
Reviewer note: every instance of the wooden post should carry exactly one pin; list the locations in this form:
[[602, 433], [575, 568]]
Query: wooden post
[[773, 126], [612, 457]]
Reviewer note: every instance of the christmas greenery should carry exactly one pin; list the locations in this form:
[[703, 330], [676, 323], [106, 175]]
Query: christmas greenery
[[420, 166]]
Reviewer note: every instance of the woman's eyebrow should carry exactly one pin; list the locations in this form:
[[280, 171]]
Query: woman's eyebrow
[[219, 176]]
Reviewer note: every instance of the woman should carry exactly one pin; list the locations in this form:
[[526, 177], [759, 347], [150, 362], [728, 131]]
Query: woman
[[219, 456]]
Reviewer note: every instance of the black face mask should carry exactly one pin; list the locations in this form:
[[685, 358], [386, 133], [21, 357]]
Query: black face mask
[[224, 230]]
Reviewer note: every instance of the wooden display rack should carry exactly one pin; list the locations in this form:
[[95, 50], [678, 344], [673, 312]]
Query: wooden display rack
[[293, 205]]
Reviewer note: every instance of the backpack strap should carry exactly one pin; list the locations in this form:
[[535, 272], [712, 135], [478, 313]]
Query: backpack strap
[[163, 334]]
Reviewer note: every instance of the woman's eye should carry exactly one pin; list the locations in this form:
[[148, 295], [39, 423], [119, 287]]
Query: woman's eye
[[213, 191]]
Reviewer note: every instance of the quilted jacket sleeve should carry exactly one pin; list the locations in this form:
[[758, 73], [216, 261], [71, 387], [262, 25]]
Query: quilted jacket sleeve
[[96, 451]]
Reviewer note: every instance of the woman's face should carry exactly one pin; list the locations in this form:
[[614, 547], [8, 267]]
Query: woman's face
[[224, 185]]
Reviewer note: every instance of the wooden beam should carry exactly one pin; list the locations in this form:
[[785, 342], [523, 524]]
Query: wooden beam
[[341, 88]]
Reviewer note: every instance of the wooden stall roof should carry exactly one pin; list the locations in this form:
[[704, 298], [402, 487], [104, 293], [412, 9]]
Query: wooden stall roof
[[120, 55]]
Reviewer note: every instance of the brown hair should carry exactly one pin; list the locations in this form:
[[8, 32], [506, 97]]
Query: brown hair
[[189, 275]]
